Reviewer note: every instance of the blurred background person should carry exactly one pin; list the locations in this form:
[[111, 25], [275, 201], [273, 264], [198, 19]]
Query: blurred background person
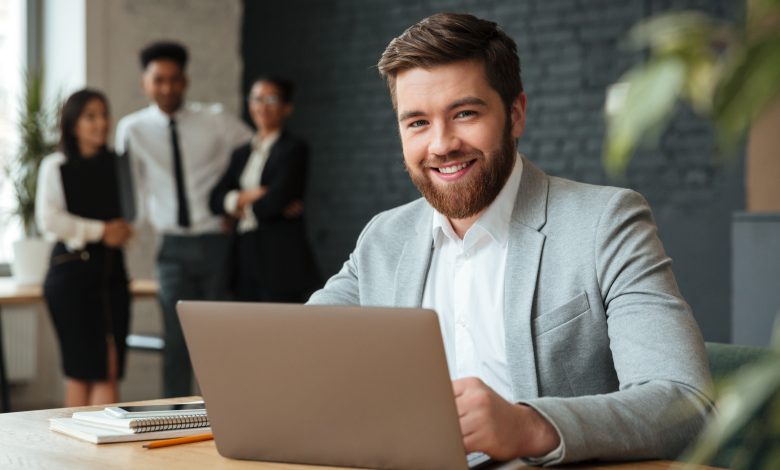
[[86, 287], [263, 188], [179, 149]]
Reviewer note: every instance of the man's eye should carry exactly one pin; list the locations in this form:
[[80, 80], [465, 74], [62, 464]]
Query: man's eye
[[418, 123], [465, 113]]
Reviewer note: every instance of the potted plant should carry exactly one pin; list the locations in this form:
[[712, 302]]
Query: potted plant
[[730, 75], [36, 124], [745, 432], [727, 73]]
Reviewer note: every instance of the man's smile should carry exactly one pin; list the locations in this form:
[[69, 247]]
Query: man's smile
[[453, 170]]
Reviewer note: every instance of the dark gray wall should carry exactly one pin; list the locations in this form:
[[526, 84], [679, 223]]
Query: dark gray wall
[[756, 249], [570, 52]]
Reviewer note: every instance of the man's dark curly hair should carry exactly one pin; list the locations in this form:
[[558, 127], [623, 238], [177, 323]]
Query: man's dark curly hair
[[166, 50]]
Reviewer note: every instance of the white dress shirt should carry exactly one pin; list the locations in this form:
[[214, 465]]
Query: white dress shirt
[[51, 213], [207, 136], [465, 286], [250, 179]]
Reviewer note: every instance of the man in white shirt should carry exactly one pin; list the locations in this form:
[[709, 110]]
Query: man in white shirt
[[178, 151], [565, 334]]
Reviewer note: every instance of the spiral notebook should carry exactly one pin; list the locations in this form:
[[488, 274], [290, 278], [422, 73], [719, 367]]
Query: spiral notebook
[[97, 434], [138, 425]]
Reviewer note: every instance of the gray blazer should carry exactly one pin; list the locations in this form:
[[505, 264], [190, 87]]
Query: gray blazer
[[598, 337]]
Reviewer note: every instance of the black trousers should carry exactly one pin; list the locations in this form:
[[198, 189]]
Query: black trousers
[[188, 268]]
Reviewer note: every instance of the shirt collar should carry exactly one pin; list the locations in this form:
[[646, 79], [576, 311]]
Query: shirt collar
[[268, 141], [495, 220], [164, 117]]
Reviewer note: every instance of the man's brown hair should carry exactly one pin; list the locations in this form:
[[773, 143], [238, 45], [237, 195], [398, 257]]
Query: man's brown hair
[[445, 38]]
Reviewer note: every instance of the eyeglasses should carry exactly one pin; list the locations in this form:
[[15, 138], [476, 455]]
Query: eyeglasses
[[270, 100]]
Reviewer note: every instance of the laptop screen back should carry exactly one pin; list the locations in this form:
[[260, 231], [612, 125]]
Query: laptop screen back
[[342, 386]]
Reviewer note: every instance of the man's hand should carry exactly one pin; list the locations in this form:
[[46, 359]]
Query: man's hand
[[498, 428], [116, 232]]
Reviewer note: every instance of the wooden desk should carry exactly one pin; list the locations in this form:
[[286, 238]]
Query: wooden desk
[[14, 294], [11, 293], [27, 442]]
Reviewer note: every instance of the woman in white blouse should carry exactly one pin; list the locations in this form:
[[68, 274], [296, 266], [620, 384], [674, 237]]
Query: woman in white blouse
[[263, 188], [86, 287]]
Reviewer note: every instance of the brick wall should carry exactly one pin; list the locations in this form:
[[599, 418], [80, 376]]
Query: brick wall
[[570, 52]]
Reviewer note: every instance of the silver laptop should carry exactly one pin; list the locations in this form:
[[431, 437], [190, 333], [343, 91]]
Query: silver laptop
[[340, 386]]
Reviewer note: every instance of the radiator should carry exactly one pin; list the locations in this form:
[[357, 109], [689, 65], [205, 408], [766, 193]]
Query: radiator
[[20, 328]]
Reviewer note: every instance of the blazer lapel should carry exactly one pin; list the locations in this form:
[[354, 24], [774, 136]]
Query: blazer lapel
[[523, 257], [277, 150], [243, 159], [412, 270]]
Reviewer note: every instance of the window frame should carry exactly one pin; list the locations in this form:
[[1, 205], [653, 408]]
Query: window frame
[[33, 56]]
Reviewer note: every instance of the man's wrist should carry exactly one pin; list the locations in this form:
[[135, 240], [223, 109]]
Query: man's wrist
[[539, 435]]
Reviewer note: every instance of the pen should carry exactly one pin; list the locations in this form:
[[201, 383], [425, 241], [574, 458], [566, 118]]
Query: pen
[[179, 440]]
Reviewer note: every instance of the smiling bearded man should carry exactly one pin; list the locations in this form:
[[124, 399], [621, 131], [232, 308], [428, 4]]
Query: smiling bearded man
[[470, 196], [565, 334]]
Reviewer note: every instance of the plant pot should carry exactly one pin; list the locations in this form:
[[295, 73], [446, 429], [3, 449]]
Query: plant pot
[[31, 260]]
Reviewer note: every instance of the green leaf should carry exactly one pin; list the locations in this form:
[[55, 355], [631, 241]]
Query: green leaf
[[700, 82], [643, 110], [762, 14], [749, 85], [671, 33], [746, 392], [36, 122]]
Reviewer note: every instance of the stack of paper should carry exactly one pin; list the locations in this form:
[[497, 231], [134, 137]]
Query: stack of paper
[[100, 428]]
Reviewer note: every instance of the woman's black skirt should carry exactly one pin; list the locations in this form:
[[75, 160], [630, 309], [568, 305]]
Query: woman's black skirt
[[88, 298]]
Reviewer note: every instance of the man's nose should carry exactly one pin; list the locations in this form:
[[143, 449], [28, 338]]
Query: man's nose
[[444, 141]]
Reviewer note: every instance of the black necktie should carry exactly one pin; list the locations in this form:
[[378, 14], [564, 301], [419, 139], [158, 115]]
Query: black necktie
[[178, 171]]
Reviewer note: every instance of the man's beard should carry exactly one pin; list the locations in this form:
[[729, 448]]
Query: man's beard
[[466, 198]]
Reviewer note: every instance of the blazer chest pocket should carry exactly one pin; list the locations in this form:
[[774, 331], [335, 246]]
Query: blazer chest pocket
[[556, 317]]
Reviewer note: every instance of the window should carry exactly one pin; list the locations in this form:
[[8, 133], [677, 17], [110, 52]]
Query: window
[[12, 56]]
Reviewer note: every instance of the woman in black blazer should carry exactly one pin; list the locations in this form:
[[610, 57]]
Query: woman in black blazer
[[266, 177]]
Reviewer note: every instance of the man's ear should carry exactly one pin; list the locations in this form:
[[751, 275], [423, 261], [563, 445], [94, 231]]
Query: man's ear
[[517, 115]]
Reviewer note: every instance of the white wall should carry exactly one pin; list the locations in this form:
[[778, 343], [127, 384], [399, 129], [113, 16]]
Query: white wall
[[118, 29]]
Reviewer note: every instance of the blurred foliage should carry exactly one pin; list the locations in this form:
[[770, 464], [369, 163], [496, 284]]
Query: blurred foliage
[[727, 73], [745, 432], [36, 126]]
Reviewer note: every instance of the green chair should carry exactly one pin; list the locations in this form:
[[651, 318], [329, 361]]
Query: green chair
[[725, 359]]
